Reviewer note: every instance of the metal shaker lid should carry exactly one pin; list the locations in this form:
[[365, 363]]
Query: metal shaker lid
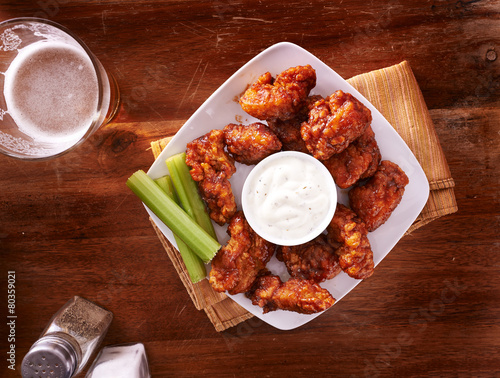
[[50, 356]]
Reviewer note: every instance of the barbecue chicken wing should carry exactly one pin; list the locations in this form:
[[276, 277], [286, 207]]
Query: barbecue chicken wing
[[250, 144], [315, 260], [358, 161], [296, 294], [217, 193], [355, 254], [238, 263], [281, 98], [334, 123], [375, 201], [288, 131], [212, 167]]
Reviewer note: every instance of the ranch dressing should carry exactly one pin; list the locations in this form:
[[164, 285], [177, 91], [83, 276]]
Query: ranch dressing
[[289, 198]]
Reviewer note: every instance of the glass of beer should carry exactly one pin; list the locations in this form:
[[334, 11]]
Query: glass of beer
[[54, 92]]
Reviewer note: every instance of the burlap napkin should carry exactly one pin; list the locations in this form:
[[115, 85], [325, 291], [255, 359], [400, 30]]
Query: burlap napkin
[[395, 93]]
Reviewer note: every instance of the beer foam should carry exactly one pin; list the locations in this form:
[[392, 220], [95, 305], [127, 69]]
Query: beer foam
[[51, 92]]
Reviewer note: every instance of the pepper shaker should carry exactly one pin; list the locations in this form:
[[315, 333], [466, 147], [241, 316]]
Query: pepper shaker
[[68, 341]]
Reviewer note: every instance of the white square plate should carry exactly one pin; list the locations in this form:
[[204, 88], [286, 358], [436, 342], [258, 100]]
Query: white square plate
[[221, 108]]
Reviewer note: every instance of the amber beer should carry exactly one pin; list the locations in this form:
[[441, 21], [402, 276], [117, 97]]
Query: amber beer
[[51, 92], [55, 92]]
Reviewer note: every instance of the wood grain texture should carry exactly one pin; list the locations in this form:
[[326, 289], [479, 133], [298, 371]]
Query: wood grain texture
[[70, 226]]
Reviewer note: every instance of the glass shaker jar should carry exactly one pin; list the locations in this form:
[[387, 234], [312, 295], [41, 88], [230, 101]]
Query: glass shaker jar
[[68, 341]]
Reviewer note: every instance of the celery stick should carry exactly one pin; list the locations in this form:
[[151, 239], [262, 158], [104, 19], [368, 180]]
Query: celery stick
[[187, 190], [194, 265], [174, 217], [165, 183]]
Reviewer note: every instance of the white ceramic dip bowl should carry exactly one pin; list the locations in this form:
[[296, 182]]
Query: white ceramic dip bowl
[[289, 198]]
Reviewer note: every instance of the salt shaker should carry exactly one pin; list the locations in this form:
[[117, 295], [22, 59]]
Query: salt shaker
[[68, 341], [121, 361]]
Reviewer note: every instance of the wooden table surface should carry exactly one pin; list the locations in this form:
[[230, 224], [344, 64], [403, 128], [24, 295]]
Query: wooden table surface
[[70, 226]]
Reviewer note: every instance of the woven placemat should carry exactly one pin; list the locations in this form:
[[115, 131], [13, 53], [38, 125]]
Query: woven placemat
[[394, 91]]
